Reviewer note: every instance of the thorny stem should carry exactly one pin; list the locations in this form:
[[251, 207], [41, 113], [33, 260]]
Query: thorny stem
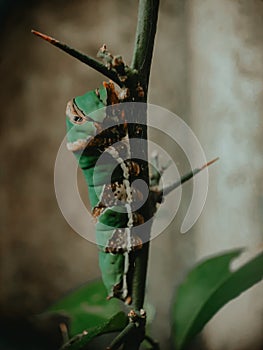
[[141, 64], [142, 57], [91, 62]]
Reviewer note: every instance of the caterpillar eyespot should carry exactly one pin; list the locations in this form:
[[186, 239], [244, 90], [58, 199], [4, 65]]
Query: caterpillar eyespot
[[77, 119]]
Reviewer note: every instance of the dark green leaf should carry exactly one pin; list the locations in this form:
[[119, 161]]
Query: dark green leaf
[[208, 287], [86, 307], [114, 324]]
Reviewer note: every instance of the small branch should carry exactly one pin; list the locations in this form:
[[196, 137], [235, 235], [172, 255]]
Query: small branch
[[71, 343], [133, 334], [144, 41], [137, 334], [91, 62], [185, 178], [121, 337]]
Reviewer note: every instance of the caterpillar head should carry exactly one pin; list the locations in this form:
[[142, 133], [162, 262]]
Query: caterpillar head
[[82, 115]]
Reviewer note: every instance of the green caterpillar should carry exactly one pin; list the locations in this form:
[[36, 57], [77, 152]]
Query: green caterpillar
[[90, 134]]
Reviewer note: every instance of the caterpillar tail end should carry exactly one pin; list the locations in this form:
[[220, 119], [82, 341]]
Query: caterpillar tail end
[[127, 300], [116, 294]]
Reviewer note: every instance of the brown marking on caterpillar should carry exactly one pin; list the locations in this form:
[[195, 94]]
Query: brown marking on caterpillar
[[138, 219], [140, 91], [113, 194], [106, 138], [118, 242], [117, 291], [112, 97], [97, 211], [134, 168]]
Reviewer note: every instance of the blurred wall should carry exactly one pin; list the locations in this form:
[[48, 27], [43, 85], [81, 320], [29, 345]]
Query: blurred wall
[[226, 79], [207, 68]]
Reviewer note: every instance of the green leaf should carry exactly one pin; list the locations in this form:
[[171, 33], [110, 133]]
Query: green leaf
[[86, 307], [208, 287], [114, 324]]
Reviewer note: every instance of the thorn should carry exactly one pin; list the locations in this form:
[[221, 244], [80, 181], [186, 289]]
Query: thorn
[[209, 163], [45, 37], [91, 62], [186, 177]]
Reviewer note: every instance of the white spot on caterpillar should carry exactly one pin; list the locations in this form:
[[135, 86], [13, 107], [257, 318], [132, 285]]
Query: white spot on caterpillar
[[78, 145]]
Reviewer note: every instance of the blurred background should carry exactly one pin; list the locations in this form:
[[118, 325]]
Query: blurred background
[[208, 69]]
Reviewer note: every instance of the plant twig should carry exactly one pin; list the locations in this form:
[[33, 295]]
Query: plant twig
[[91, 62], [137, 334], [120, 338], [72, 342]]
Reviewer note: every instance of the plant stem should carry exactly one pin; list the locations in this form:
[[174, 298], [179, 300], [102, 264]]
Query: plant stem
[[138, 77], [142, 57], [144, 41], [120, 339]]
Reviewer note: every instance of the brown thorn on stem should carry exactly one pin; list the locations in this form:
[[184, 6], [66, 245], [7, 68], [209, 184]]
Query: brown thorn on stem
[[45, 37], [185, 178], [91, 62], [209, 163]]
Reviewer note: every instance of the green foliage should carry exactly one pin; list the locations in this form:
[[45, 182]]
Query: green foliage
[[87, 308], [208, 287]]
